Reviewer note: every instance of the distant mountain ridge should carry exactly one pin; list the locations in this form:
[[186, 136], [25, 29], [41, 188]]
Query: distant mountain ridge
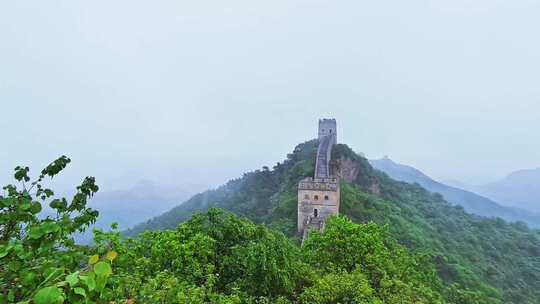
[[139, 203], [143, 201], [520, 189], [470, 201]]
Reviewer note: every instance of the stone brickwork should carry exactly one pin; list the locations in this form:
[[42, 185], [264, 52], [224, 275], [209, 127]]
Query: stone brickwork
[[319, 197], [328, 127]]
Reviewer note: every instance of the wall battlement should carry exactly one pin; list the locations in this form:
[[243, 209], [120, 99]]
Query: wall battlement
[[327, 184]]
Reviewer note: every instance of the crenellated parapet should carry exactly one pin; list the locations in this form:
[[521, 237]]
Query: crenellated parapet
[[325, 184]]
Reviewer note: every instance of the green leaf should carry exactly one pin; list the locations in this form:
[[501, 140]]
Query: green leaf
[[49, 295], [4, 250], [36, 207], [28, 277], [80, 291], [59, 204], [72, 279], [89, 282], [52, 274], [101, 281], [49, 227], [38, 231], [35, 232], [26, 205], [103, 269], [21, 173]]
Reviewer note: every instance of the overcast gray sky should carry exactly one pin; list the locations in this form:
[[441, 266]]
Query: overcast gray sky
[[202, 91]]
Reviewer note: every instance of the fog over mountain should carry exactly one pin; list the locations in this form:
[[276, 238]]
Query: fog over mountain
[[192, 92], [143, 201], [470, 201], [134, 205], [197, 123], [519, 189]]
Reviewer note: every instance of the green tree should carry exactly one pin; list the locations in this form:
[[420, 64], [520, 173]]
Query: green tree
[[395, 275], [39, 261], [344, 287]]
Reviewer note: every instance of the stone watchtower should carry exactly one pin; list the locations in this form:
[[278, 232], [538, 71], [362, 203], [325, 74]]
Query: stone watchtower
[[327, 127], [318, 196]]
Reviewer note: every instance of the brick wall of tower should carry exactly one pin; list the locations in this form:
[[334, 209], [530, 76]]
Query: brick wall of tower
[[327, 127], [320, 195]]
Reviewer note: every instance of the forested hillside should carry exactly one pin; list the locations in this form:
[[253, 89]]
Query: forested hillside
[[471, 202], [215, 257], [498, 259]]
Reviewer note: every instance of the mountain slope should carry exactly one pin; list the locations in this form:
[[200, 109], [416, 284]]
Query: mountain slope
[[472, 202], [144, 200], [128, 207], [519, 189], [500, 260]]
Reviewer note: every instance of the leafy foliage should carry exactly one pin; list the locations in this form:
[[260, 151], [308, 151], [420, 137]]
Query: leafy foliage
[[397, 243], [40, 262], [497, 260], [214, 257]]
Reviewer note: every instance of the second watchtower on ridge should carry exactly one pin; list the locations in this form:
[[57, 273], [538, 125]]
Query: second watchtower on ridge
[[328, 127]]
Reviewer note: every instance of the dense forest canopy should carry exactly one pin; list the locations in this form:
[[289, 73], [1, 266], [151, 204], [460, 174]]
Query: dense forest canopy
[[393, 243], [499, 259], [215, 257]]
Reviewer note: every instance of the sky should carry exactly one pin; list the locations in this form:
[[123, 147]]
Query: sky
[[202, 91]]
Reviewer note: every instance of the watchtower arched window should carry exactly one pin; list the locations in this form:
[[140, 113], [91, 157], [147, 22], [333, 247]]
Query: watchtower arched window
[[315, 213], [326, 197], [316, 197]]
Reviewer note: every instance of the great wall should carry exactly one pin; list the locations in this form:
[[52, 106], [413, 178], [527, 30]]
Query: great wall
[[319, 196]]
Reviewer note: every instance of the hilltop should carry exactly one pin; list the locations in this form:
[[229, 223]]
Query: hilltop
[[499, 259]]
